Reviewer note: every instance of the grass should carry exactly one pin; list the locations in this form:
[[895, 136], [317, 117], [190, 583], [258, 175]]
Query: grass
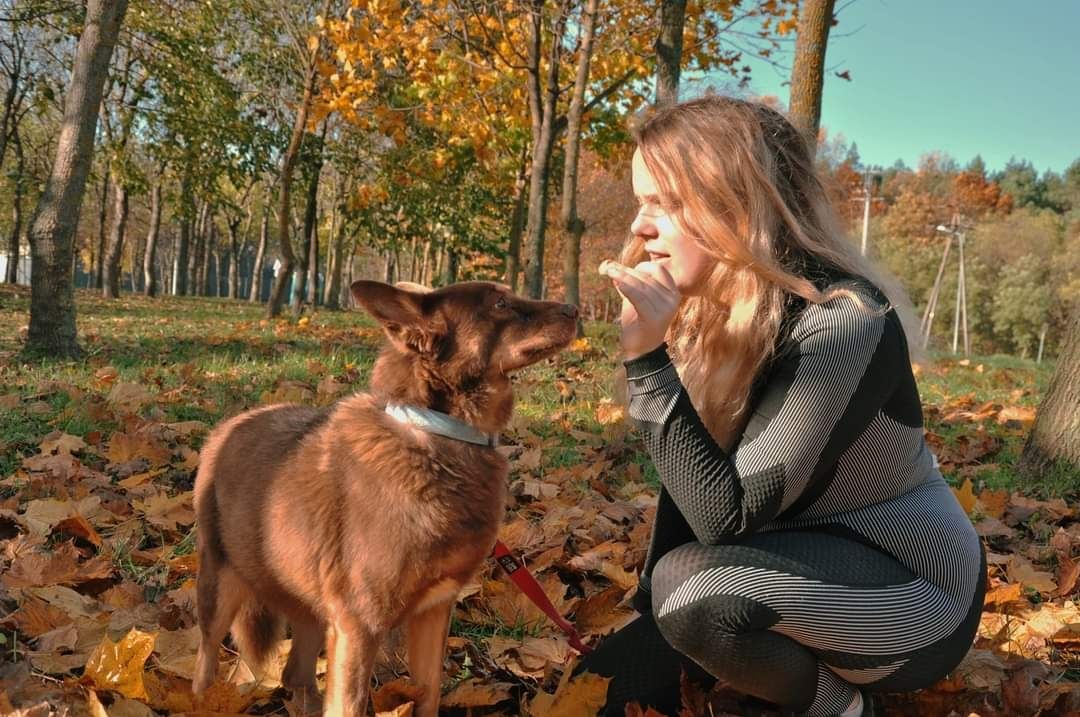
[[204, 359]]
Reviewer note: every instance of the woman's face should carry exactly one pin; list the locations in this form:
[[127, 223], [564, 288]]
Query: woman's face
[[665, 241]]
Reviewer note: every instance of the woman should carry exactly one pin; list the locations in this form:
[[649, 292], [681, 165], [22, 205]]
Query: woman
[[806, 548]]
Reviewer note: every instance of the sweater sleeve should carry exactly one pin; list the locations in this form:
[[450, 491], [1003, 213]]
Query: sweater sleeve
[[820, 396]]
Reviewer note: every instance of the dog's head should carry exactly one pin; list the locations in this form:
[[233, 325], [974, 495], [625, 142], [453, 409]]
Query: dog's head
[[453, 348]]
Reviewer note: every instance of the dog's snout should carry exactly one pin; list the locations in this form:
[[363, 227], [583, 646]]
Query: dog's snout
[[569, 310]]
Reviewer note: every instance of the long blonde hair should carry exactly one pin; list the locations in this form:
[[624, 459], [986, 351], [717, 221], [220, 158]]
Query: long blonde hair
[[738, 177]]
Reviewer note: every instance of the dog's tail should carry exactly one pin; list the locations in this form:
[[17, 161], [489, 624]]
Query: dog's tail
[[257, 631]]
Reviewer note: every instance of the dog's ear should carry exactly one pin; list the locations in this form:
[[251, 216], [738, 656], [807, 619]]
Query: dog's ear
[[401, 313], [414, 287]]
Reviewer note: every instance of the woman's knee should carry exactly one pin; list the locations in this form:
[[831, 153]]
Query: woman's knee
[[698, 603]]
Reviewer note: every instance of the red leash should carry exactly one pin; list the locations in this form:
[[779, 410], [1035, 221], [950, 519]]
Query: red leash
[[521, 576]]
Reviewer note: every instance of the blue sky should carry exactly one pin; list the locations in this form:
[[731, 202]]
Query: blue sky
[[994, 78]]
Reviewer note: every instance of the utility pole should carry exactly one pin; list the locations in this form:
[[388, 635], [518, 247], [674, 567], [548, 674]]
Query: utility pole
[[960, 318], [871, 183]]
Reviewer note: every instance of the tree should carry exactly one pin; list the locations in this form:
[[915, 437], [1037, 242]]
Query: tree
[[572, 224], [808, 67], [52, 232], [1055, 437], [309, 55], [150, 282], [669, 51]]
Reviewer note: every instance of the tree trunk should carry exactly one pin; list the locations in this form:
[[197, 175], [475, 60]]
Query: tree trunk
[[111, 287], [450, 275], [669, 51], [1055, 437], [260, 252], [346, 296], [52, 233], [313, 265], [389, 266], [234, 258], [149, 269], [199, 258], [16, 210], [808, 67], [542, 112], [187, 211], [332, 295], [573, 225], [335, 245], [103, 210], [288, 165], [209, 248], [517, 226], [311, 208]]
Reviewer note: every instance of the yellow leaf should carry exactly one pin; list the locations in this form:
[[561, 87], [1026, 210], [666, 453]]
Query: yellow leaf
[[608, 413], [966, 496], [583, 695], [994, 502], [118, 666]]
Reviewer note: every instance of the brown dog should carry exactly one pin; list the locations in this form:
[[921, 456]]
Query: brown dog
[[349, 521]]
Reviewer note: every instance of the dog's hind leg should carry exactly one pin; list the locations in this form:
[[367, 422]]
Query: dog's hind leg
[[219, 595], [427, 632], [308, 635]]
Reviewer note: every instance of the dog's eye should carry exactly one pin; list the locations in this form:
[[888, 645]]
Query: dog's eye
[[502, 304]]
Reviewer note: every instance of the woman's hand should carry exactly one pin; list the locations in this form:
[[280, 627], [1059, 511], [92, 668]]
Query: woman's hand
[[650, 302]]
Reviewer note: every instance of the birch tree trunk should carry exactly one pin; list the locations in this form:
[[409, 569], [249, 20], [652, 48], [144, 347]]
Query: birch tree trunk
[[150, 286], [260, 253]]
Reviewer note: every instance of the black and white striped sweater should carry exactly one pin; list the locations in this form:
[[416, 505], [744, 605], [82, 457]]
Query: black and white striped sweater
[[834, 442]]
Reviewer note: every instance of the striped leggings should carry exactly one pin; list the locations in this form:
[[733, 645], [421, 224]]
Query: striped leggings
[[799, 619]]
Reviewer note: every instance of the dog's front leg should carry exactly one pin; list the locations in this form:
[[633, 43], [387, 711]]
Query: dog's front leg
[[427, 632], [351, 647]]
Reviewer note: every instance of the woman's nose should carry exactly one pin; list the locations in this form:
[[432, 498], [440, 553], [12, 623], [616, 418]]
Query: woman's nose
[[642, 225]]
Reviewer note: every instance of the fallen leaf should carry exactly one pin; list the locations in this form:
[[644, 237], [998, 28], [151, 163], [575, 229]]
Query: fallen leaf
[[965, 495], [118, 666], [992, 503], [476, 692], [62, 443], [1021, 414], [1004, 595], [1068, 572], [1021, 570], [582, 695], [129, 397], [392, 695], [176, 652]]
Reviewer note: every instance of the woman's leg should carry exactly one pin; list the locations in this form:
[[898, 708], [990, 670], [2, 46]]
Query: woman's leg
[[800, 618], [643, 668]]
